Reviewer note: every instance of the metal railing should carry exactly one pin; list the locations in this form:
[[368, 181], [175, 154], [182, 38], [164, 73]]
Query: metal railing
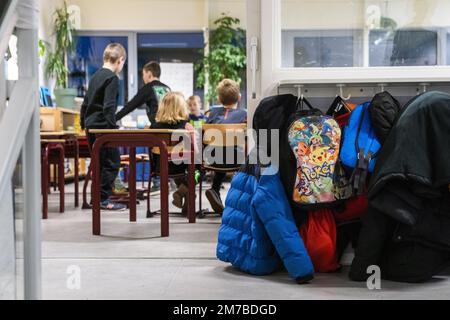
[[19, 133]]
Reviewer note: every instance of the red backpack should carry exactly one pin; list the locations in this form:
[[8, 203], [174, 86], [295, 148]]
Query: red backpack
[[319, 236]]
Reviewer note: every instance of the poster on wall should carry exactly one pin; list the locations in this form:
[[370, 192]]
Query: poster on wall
[[179, 77]]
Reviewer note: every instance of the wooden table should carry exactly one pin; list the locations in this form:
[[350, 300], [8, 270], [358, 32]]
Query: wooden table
[[71, 151], [159, 138]]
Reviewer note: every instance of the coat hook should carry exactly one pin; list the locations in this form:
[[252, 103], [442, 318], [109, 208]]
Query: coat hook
[[299, 92], [341, 92], [424, 86], [382, 86]]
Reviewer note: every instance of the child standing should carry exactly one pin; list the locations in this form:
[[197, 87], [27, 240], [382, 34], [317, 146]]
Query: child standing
[[196, 117], [229, 96], [173, 114], [150, 94], [98, 112]]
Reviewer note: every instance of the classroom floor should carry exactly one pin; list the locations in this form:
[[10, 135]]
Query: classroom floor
[[131, 261]]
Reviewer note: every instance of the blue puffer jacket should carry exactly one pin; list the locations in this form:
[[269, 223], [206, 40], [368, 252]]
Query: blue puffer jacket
[[258, 231]]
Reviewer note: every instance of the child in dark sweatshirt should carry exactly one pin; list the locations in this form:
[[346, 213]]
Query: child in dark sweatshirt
[[229, 96], [150, 94], [98, 111]]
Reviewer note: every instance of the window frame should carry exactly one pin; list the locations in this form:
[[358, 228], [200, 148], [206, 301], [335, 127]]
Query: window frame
[[273, 74], [131, 54]]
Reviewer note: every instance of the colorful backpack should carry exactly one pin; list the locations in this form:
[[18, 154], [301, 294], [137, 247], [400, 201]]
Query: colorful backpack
[[360, 146], [315, 142]]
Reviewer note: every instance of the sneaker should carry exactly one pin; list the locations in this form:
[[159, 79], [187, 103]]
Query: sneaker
[[112, 206], [179, 195], [215, 201], [156, 185], [155, 189]]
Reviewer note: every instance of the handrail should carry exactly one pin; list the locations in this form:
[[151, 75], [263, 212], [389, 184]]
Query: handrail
[[7, 23], [13, 127]]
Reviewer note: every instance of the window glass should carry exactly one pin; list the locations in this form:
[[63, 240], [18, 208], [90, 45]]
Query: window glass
[[88, 58], [363, 33], [403, 48], [448, 50], [328, 48], [171, 48]]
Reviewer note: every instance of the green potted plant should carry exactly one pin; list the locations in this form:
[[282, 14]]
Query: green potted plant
[[57, 62], [227, 55]]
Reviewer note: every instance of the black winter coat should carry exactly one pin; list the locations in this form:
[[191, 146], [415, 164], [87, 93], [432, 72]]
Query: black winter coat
[[275, 113], [407, 228]]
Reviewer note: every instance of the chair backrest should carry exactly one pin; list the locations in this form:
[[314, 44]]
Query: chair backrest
[[162, 134], [225, 135], [166, 135]]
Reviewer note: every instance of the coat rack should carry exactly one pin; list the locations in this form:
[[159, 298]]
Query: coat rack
[[322, 94], [360, 90]]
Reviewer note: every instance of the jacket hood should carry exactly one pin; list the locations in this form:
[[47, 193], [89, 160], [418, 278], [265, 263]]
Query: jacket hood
[[384, 111], [273, 112]]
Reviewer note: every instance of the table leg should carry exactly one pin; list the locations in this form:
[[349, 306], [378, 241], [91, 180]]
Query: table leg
[[164, 176], [191, 193], [86, 204], [55, 181], [200, 190], [95, 175], [77, 174], [132, 185], [61, 181], [45, 183]]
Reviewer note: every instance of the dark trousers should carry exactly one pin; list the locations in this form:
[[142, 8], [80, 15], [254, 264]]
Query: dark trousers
[[109, 168], [218, 179]]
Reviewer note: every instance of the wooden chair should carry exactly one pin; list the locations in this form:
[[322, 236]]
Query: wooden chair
[[52, 152], [119, 198], [221, 136], [142, 158], [184, 155]]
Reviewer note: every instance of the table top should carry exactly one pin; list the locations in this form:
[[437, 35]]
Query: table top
[[53, 141], [57, 133], [134, 131]]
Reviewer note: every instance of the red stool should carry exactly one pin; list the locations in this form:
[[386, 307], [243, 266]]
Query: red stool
[[52, 152]]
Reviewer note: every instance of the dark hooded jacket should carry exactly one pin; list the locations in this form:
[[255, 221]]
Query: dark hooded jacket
[[384, 110], [276, 112], [407, 227]]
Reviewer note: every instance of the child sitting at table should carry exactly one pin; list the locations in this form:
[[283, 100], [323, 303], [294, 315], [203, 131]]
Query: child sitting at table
[[229, 96], [196, 117], [173, 114], [98, 112]]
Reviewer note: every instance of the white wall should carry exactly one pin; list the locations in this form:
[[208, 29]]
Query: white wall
[[350, 14], [46, 9], [155, 15]]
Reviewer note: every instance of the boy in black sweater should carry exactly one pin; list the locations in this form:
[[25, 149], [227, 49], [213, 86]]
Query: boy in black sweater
[[98, 111]]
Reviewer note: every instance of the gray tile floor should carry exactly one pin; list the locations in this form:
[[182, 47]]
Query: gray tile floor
[[131, 261]]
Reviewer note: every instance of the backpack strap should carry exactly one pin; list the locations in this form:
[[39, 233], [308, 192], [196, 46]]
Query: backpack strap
[[359, 175], [302, 112]]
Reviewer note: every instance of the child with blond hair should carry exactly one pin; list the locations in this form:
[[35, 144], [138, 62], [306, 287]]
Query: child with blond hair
[[173, 114]]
